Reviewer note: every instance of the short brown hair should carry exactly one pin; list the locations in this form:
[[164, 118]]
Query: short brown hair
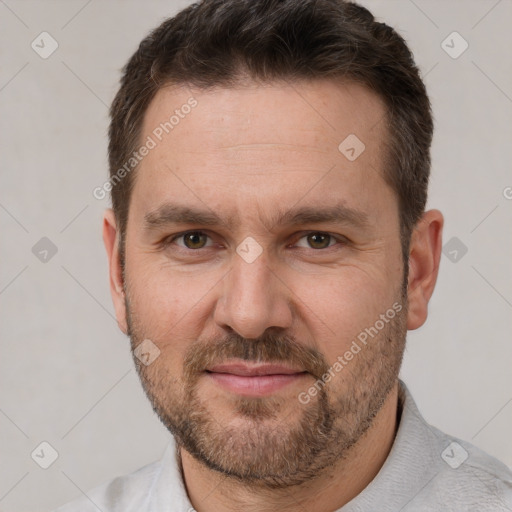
[[217, 42]]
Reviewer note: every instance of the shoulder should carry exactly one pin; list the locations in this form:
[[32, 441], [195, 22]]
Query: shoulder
[[445, 472], [467, 478]]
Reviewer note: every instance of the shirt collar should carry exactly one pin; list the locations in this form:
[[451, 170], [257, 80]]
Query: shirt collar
[[412, 462], [409, 466]]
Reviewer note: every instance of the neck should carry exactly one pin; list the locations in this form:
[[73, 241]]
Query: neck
[[210, 490]]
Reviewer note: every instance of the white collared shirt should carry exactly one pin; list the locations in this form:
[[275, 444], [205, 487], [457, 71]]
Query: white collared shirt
[[426, 470]]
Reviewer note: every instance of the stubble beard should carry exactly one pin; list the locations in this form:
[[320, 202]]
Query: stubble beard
[[266, 447]]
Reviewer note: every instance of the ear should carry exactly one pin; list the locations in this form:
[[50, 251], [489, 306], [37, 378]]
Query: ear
[[111, 241], [424, 258]]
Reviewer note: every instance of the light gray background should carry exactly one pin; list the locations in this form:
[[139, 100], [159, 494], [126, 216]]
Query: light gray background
[[66, 375]]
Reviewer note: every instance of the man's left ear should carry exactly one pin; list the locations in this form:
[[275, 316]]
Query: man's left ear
[[111, 241], [424, 259]]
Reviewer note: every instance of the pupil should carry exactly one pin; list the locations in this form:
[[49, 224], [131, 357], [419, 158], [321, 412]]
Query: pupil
[[318, 236], [194, 238]]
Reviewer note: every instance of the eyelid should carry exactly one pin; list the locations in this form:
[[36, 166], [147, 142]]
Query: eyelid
[[170, 239], [338, 238]]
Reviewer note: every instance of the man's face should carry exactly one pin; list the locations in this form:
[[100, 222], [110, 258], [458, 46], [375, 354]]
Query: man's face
[[299, 292]]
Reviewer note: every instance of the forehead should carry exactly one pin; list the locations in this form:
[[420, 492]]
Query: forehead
[[263, 143], [324, 108]]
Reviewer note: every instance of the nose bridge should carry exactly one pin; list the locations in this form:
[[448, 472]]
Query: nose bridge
[[253, 300]]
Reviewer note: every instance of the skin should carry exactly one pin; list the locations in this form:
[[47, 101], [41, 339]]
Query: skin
[[249, 153]]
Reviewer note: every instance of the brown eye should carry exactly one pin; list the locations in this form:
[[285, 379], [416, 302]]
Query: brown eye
[[194, 240], [317, 240]]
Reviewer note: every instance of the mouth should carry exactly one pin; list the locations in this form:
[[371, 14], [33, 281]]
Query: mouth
[[254, 379]]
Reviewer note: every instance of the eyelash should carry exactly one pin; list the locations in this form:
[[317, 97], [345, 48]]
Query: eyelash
[[169, 240]]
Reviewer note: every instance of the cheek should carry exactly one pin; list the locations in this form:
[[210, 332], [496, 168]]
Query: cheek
[[165, 303], [342, 304]]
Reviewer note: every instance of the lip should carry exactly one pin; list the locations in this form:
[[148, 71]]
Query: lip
[[248, 370], [253, 380]]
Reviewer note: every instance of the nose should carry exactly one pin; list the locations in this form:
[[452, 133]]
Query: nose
[[253, 299]]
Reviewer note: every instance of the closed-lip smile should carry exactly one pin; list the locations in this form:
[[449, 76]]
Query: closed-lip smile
[[256, 379]]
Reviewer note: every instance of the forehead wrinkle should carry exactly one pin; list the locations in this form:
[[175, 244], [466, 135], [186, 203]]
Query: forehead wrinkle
[[270, 145]]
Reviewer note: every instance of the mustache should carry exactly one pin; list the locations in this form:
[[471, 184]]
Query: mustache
[[269, 348]]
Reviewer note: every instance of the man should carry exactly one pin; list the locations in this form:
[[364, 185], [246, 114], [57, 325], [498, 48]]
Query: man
[[268, 250]]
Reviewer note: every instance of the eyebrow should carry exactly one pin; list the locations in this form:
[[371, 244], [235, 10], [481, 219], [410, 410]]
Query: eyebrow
[[169, 213]]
